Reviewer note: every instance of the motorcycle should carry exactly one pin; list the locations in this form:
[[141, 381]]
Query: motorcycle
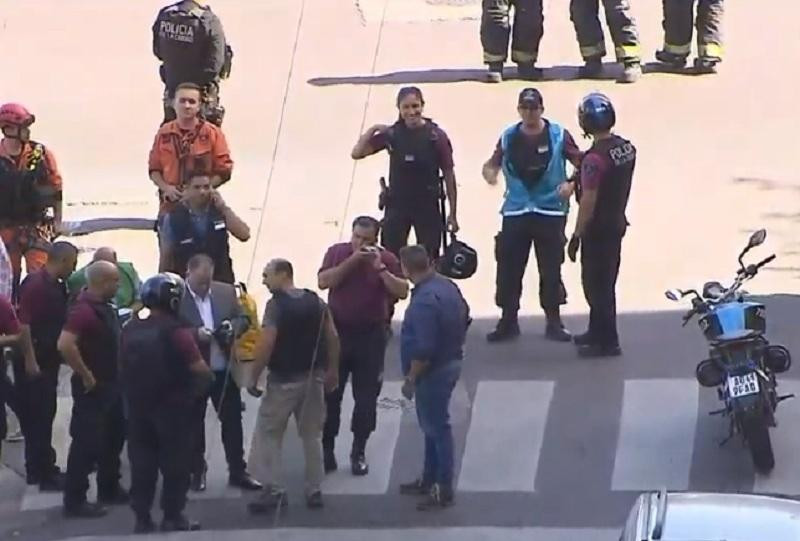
[[742, 363]]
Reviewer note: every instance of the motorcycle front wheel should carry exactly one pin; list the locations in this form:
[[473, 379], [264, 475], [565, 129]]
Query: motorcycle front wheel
[[756, 433]]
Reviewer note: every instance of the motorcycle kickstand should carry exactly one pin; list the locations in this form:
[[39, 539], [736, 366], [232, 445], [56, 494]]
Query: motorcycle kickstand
[[785, 397]]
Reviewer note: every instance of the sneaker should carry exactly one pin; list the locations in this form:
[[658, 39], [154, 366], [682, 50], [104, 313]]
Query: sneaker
[[529, 72], [706, 65], [314, 500], [269, 500], [417, 487], [672, 60], [438, 497], [594, 350], [358, 464], [495, 72], [505, 330], [631, 72], [592, 68]]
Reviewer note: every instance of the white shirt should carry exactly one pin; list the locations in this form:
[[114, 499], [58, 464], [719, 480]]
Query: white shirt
[[217, 361], [6, 273]]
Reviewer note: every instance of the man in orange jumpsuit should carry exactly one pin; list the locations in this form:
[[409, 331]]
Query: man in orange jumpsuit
[[30, 193]]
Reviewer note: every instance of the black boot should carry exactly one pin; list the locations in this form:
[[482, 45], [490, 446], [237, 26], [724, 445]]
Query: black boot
[[495, 72], [507, 328], [358, 461], [592, 68], [671, 60], [596, 350], [329, 457], [555, 330], [528, 71]]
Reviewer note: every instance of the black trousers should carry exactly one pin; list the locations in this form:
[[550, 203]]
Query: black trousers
[[425, 218], [512, 249], [226, 398], [584, 16], [600, 259], [528, 28], [97, 429], [362, 356], [36, 405], [678, 27], [159, 439]]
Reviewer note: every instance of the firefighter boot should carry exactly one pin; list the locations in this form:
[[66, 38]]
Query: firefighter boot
[[631, 72], [671, 60], [495, 72]]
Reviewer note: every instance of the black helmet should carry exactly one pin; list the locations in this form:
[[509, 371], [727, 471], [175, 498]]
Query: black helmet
[[596, 114], [163, 291]]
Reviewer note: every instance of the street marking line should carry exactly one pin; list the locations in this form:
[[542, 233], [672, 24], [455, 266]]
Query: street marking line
[[656, 438], [505, 436]]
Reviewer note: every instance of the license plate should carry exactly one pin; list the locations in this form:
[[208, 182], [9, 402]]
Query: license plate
[[743, 385]]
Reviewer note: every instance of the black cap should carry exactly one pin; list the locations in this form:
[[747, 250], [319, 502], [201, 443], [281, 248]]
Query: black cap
[[531, 95]]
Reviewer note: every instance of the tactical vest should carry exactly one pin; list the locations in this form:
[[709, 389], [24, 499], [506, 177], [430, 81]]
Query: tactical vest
[[153, 371], [299, 334], [183, 41], [214, 242], [413, 163], [101, 352], [24, 194], [615, 188]]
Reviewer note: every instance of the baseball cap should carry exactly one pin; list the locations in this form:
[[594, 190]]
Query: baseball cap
[[531, 95]]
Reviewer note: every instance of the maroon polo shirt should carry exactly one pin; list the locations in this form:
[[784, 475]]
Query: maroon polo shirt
[[361, 298], [9, 324], [97, 340], [43, 306]]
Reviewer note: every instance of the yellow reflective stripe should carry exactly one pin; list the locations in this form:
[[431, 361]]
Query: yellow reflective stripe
[[680, 50], [520, 56], [489, 57], [628, 51], [710, 49], [588, 51]]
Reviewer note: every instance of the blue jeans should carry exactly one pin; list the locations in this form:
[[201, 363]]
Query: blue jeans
[[433, 393]]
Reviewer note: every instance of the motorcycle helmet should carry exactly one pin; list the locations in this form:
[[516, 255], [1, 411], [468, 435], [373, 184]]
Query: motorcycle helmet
[[163, 291], [596, 114]]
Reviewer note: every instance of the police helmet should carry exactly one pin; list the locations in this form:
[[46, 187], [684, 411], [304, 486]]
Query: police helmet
[[460, 261], [163, 291], [596, 114], [14, 114]]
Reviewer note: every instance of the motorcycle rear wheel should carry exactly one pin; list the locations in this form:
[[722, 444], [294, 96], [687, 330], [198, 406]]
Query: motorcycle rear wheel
[[756, 433]]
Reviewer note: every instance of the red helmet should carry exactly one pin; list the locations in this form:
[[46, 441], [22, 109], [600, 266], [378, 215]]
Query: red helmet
[[14, 114]]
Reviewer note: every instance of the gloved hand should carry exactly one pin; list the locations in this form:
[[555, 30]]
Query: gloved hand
[[408, 389], [572, 248]]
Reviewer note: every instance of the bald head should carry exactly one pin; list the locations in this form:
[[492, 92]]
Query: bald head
[[102, 279], [105, 253]]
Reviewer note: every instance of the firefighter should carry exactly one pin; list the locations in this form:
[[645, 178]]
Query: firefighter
[[527, 33], [420, 154], [605, 182], [584, 15], [189, 41], [30, 193], [678, 34], [163, 373]]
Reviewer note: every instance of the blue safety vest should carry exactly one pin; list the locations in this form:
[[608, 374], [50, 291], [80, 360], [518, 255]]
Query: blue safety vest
[[543, 198]]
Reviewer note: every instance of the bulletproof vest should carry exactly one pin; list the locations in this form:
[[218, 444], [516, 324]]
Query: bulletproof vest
[[615, 188], [529, 160], [299, 320], [183, 43], [152, 370], [46, 330], [101, 353], [24, 195], [214, 242], [413, 163]]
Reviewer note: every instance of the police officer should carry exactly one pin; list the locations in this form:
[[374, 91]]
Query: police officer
[[30, 192], [532, 155], [584, 15], [189, 40], [163, 373], [605, 182], [202, 223], [89, 343], [527, 34], [678, 33], [420, 153]]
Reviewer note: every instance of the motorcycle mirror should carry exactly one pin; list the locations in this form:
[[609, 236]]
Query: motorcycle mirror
[[672, 294], [757, 238]]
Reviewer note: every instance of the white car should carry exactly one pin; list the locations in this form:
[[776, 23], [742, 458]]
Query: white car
[[698, 516]]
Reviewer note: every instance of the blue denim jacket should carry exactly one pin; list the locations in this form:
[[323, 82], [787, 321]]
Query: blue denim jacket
[[435, 324]]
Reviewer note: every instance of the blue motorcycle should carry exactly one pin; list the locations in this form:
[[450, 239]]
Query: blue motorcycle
[[742, 364]]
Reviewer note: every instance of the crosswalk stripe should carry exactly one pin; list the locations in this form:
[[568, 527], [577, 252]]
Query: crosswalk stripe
[[505, 436], [656, 438], [785, 478]]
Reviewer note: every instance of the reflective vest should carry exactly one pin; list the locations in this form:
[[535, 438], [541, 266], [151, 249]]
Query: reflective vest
[[542, 196]]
